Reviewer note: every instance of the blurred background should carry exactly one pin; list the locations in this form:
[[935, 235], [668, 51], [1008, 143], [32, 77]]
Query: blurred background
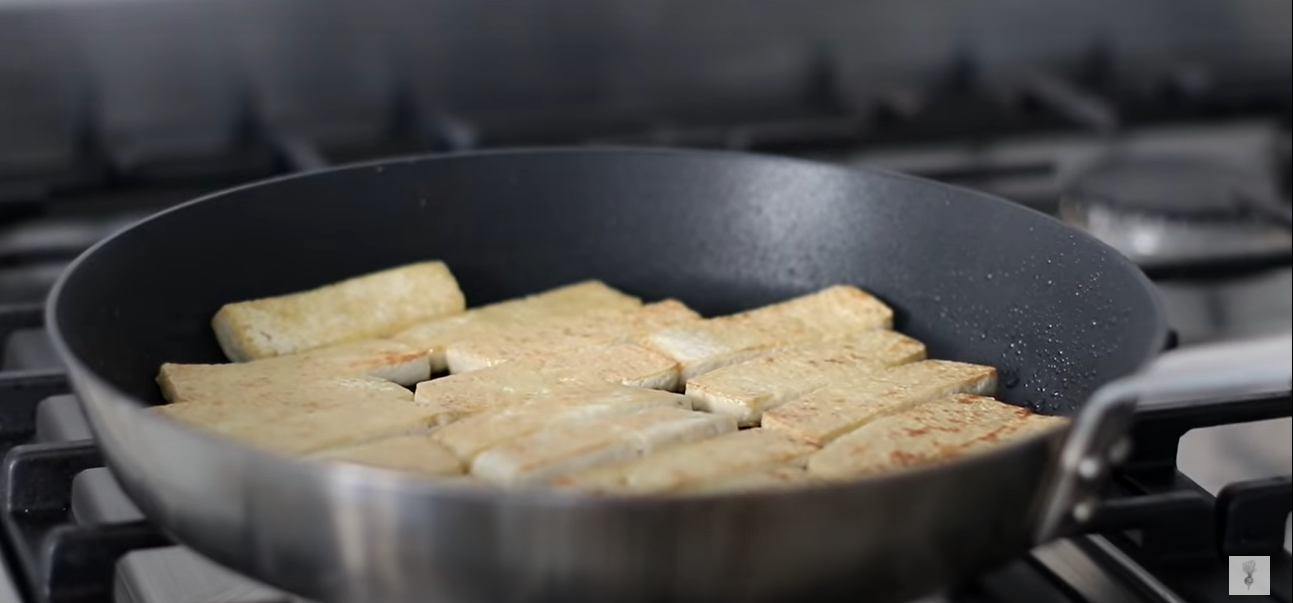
[[1102, 111], [1162, 126]]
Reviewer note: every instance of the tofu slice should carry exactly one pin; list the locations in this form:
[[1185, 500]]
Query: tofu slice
[[565, 335], [471, 436], [271, 405], [693, 465], [626, 364], [776, 477], [748, 389], [572, 300], [416, 453], [845, 405], [465, 394], [364, 307], [302, 418], [296, 396], [388, 360], [581, 445], [930, 433], [704, 346]]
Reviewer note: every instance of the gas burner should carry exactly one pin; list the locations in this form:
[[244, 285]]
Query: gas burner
[[1163, 210]]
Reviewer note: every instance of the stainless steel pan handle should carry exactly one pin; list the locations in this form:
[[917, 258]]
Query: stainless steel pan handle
[[1197, 375]]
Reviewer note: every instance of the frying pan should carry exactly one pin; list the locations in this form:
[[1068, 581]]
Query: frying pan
[[977, 279]]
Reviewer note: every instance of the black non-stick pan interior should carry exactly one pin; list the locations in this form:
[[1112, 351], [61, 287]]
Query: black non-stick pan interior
[[975, 278]]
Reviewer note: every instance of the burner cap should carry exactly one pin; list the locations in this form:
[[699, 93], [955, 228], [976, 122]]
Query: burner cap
[[1189, 188], [1178, 209]]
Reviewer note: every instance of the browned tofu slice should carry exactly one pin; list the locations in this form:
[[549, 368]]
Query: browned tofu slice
[[694, 465], [703, 346], [556, 337], [747, 389], [414, 453], [626, 364], [388, 360], [472, 435], [563, 302], [927, 434], [301, 418], [516, 382], [581, 445], [364, 307], [845, 405]]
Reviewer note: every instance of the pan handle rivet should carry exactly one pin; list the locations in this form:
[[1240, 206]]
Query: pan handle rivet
[[1089, 468], [1120, 450]]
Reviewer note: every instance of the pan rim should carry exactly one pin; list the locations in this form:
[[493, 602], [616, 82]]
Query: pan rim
[[370, 477]]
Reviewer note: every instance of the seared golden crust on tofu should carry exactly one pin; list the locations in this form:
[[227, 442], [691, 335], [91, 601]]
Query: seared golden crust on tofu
[[693, 465], [930, 433], [704, 346], [416, 453], [363, 307], [844, 406], [388, 360], [300, 418], [747, 389], [571, 300], [777, 477], [560, 336], [581, 445], [472, 435]]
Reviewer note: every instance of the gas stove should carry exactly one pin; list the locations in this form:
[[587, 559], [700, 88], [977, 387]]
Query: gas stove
[[112, 111]]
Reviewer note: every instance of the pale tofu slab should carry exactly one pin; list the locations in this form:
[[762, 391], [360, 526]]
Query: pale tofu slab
[[416, 453], [471, 436], [748, 389], [626, 364], [303, 418], [460, 396], [693, 465], [494, 388], [930, 433], [832, 411], [707, 345], [388, 360], [777, 477], [289, 396], [563, 302], [364, 307], [582, 445], [552, 338]]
